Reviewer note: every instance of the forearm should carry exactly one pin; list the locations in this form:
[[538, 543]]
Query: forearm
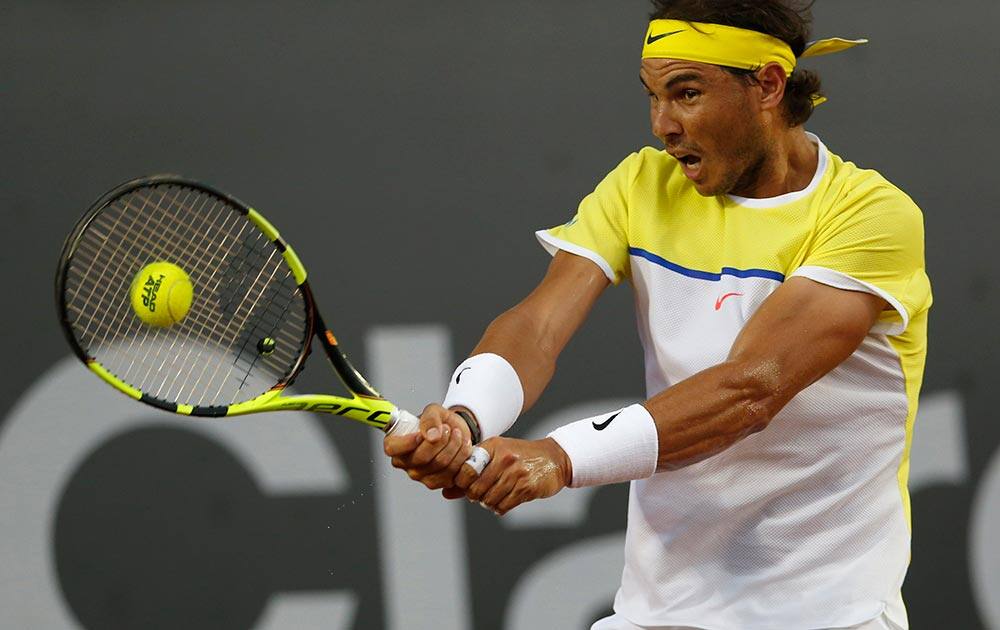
[[518, 338], [693, 420], [707, 413]]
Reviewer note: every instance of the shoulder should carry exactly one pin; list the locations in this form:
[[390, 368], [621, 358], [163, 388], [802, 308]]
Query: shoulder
[[650, 166], [641, 169], [865, 193], [653, 160]]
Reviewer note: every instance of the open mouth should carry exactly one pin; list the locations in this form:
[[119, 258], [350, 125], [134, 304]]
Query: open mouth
[[690, 162]]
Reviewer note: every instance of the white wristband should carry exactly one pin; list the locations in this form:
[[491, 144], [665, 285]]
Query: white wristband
[[610, 448], [489, 387]]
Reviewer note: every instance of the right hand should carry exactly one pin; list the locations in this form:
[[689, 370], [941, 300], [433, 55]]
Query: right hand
[[433, 455]]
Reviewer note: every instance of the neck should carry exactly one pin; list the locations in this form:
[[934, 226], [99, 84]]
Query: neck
[[788, 165]]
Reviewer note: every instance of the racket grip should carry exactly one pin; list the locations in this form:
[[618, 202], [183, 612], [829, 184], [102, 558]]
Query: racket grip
[[405, 422]]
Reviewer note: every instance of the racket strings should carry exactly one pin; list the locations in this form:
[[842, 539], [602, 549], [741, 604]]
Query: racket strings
[[244, 292], [113, 313], [159, 251], [239, 322]]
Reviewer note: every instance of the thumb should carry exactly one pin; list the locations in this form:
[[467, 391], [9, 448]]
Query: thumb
[[396, 445], [430, 427]]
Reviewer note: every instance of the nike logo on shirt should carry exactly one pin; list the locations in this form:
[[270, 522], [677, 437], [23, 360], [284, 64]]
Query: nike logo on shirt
[[718, 303]]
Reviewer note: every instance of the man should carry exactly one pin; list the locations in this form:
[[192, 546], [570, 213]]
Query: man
[[782, 304]]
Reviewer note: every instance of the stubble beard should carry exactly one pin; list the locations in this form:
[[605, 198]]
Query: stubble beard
[[748, 154]]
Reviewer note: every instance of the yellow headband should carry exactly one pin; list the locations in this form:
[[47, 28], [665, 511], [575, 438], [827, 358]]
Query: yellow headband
[[729, 46]]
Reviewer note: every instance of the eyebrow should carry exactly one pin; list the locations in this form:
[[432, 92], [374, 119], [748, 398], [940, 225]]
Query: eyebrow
[[681, 78]]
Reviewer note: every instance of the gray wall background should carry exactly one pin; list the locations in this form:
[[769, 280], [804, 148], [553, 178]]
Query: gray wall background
[[408, 150]]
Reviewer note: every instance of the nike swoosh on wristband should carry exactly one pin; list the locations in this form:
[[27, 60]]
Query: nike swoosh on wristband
[[604, 425], [458, 377], [655, 38]]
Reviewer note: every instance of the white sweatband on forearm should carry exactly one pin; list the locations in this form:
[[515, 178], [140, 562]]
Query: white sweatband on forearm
[[489, 387], [610, 448]]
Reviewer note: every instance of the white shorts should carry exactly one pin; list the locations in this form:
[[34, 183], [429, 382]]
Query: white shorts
[[617, 622]]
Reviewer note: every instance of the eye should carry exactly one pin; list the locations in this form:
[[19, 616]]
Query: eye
[[690, 94]]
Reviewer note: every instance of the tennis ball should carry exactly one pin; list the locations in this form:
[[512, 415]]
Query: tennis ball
[[161, 294]]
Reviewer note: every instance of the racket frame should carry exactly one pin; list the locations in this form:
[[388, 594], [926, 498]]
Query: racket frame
[[366, 405]]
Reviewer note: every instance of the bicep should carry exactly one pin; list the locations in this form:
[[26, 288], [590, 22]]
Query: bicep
[[565, 296], [801, 332], [549, 316]]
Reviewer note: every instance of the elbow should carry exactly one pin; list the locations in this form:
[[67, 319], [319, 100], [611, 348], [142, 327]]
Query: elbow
[[763, 393], [757, 415]]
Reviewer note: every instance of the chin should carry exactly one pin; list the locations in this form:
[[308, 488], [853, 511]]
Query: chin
[[709, 189]]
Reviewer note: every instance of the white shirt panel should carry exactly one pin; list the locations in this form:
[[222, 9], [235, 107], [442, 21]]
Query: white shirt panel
[[798, 526]]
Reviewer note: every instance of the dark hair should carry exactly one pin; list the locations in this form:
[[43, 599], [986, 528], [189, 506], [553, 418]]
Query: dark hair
[[788, 20]]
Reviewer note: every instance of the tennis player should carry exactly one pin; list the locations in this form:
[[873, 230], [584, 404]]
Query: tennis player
[[782, 303]]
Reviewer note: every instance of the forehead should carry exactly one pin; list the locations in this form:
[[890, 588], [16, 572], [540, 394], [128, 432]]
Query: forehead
[[660, 71]]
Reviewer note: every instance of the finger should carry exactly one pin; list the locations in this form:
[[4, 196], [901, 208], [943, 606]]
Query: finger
[[431, 421], [501, 458], [459, 457], [439, 477], [429, 448], [514, 498], [467, 474], [453, 493], [458, 422], [445, 456], [484, 482], [396, 445], [498, 491]]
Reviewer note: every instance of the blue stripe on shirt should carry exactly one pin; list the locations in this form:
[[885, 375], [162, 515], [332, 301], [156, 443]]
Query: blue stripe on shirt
[[706, 275]]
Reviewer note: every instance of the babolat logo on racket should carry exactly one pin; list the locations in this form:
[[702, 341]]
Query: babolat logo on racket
[[149, 291], [334, 408]]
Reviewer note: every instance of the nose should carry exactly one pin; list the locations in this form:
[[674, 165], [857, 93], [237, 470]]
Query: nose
[[663, 123]]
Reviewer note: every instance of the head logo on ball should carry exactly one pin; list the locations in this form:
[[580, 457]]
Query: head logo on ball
[[161, 294]]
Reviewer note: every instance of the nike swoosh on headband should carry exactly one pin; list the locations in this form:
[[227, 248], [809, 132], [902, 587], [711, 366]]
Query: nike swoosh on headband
[[655, 38]]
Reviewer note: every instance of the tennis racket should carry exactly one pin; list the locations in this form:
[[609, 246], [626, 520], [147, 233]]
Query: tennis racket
[[185, 298]]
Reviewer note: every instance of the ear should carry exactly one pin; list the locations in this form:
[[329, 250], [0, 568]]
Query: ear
[[771, 79]]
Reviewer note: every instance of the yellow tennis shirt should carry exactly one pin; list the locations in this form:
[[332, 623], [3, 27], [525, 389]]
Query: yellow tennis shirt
[[804, 524]]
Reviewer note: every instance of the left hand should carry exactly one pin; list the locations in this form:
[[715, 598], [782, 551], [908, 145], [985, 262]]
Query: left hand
[[519, 471], [434, 454]]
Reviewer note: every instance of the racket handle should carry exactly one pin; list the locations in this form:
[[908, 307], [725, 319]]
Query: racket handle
[[405, 422]]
